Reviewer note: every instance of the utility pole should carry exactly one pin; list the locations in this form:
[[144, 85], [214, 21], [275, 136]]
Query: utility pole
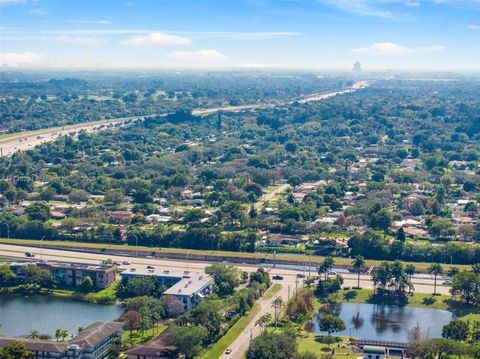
[[41, 248]]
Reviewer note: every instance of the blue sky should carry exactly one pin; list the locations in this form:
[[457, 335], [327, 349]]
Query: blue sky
[[292, 34]]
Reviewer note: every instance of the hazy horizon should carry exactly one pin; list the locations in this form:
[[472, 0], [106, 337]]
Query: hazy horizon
[[292, 35]]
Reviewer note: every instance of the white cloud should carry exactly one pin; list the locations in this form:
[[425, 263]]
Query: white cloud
[[474, 27], [40, 11], [20, 58], [391, 48], [7, 2], [96, 22], [199, 55], [383, 8], [156, 39], [81, 40]]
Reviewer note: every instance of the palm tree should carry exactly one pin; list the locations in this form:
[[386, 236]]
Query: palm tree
[[435, 269], [326, 266], [58, 334], [277, 304], [63, 334], [358, 264], [410, 271], [453, 271], [34, 334], [264, 320], [476, 268]]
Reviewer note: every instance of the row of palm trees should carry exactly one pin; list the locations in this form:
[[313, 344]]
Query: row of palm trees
[[358, 263], [59, 334], [264, 320]]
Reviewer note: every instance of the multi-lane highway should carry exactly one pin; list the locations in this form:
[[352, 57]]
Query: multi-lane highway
[[289, 282], [28, 140]]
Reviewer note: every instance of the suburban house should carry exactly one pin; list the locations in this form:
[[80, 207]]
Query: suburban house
[[188, 287], [284, 240], [158, 348], [94, 342]]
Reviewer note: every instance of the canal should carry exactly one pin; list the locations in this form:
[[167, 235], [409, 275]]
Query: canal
[[20, 315]]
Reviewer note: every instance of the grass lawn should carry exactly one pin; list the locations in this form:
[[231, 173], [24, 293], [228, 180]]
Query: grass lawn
[[272, 291], [420, 266], [423, 300], [107, 295], [217, 349], [137, 335], [314, 343]]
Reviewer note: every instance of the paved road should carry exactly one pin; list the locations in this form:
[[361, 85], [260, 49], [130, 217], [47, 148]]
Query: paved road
[[28, 140], [268, 196], [422, 285], [240, 345]]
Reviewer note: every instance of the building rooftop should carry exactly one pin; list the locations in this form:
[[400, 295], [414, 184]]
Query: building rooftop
[[190, 281], [159, 347], [95, 333], [190, 284], [82, 266], [36, 345]]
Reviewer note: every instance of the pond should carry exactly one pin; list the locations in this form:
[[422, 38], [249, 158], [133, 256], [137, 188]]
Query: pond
[[20, 315], [386, 322]]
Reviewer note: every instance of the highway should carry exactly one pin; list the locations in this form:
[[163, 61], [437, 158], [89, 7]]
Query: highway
[[28, 140], [289, 282]]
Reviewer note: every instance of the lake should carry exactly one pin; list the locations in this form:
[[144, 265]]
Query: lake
[[20, 315], [386, 322]]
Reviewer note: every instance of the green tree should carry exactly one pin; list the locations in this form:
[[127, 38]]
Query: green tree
[[277, 305], [225, 277], [86, 285], [264, 320], [15, 350], [466, 285], [457, 329], [38, 211], [189, 340], [331, 324], [436, 269], [6, 275], [358, 264], [273, 346], [34, 334]]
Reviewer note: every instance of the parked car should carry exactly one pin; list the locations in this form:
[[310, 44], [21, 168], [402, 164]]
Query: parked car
[[125, 263], [300, 275]]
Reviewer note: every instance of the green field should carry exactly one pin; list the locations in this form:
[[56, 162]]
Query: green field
[[314, 343], [137, 337]]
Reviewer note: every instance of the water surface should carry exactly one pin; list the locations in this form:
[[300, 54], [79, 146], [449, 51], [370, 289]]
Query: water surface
[[20, 315], [386, 322]]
